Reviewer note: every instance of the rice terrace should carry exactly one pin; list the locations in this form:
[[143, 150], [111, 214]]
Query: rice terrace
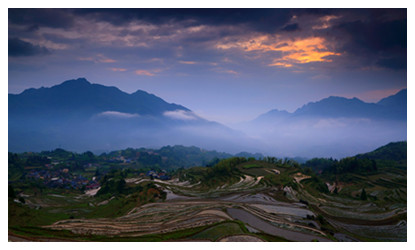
[[237, 199]]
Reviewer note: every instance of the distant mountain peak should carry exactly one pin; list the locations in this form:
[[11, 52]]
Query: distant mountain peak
[[392, 107], [77, 114], [278, 111], [336, 106], [79, 81], [400, 98], [80, 97], [339, 99], [273, 115]]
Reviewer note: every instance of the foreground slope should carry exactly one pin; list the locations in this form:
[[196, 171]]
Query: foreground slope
[[237, 199]]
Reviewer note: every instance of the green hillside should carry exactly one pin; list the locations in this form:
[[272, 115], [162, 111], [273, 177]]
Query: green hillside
[[62, 195]]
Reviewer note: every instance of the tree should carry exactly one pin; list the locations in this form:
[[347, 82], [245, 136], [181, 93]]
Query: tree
[[12, 194], [363, 195], [121, 186], [374, 166], [97, 173], [37, 160], [21, 199]]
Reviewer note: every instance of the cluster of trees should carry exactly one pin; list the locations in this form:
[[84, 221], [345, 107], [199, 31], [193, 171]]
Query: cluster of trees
[[16, 167], [227, 166], [320, 164], [112, 186], [149, 193], [280, 180], [18, 161], [391, 155], [72, 161], [168, 157], [328, 167], [211, 175], [63, 155], [113, 183], [37, 160], [59, 154], [286, 162], [394, 151], [353, 165]]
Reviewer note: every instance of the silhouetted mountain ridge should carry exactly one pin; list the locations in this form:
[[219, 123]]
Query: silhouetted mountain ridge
[[389, 108], [273, 114], [399, 99], [80, 97], [79, 115]]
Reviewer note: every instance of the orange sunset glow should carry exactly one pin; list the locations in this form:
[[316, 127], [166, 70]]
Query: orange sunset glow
[[297, 51]]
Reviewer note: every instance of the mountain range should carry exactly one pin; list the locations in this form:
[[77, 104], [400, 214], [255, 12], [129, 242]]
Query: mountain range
[[78, 115], [389, 108], [80, 98], [333, 126]]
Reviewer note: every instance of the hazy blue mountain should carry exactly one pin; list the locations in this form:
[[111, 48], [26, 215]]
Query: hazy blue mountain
[[334, 106], [81, 116], [389, 108], [397, 100], [395, 106], [273, 115], [80, 98], [332, 127]]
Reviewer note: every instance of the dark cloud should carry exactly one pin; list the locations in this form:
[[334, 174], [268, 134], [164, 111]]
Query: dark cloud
[[33, 28], [316, 11], [377, 15], [34, 18], [396, 63], [376, 36], [291, 27], [265, 20], [19, 47], [379, 36]]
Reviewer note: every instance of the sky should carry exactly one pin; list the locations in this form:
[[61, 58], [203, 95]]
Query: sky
[[226, 65]]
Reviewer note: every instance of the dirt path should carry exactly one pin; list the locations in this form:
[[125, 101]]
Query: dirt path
[[298, 177]]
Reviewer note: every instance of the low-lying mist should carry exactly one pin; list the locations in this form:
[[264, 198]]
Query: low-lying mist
[[80, 116], [324, 137], [305, 137]]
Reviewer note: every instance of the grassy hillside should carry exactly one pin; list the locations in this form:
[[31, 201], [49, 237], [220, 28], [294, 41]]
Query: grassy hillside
[[394, 151]]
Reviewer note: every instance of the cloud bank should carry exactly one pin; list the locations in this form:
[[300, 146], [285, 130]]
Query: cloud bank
[[116, 114], [181, 115]]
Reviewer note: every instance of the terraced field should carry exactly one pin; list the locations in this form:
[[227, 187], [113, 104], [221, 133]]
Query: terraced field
[[249, 207]]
